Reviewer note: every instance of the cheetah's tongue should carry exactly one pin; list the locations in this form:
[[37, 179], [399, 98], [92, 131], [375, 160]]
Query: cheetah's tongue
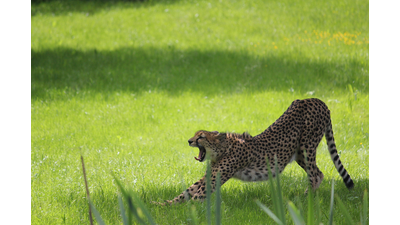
[[198, 159], [202, 154]]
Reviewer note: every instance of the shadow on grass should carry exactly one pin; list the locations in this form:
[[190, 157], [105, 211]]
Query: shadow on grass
[[172, 71], [89, 7], [246, 192], [240, 199]]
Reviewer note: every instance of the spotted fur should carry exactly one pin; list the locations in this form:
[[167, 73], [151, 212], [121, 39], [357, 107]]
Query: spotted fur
[[294, 136]]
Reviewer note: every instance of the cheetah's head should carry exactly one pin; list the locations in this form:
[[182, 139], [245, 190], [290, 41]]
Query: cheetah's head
[[208, 143]]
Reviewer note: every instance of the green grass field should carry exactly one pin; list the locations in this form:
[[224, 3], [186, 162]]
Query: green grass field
[[126, 84]]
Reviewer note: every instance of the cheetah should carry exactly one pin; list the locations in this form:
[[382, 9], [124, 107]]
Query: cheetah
[[294, 136]]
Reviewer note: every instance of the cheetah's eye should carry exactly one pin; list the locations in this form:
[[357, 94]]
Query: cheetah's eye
[[200, 137]]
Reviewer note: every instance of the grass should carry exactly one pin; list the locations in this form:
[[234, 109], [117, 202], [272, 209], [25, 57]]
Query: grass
[[126, 84]]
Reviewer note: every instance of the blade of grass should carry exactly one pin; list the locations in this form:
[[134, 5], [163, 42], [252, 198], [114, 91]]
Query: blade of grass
[[128, 198], [280, 204], [87, 190], [269, 212], [133, 210], [208, 191], [296, 216], [351, 96], [193, 214], [317, 209], [218, 200], [275, 192], [144, 209], [365, 208], [331, 206], [310, 213], [271, 181], [345, 212], [191, 208], [123, 212], [96, 214]]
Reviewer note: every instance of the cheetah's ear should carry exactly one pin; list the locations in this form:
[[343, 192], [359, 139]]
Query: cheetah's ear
[[219, 135], [215, 132]]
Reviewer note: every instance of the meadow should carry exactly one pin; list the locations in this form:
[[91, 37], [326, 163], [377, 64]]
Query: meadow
[[125, 84]]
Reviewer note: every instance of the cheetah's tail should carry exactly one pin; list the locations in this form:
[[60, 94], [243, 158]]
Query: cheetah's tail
[[330, 140]]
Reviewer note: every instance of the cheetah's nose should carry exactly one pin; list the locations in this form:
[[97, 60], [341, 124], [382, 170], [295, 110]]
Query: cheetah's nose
[[190, 142]]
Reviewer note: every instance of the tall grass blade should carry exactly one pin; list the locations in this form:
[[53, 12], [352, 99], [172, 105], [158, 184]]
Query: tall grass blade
[[193, 215], [218, 200], [351, 97], [128, 198], [269, 212], [296, 216], [350, 89], [190, 207], [125, 220], [310, 213], [144, 209], [310, 208], [317, 209], [365, 208], [133, 210], [276, 193], [345, 212], [96, 214], [281, 204], [331, 206], [87, 190], [273, 191], [121, 188], [208, 191]]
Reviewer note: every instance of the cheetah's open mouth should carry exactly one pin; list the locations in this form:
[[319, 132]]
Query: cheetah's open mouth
[[202, 154]]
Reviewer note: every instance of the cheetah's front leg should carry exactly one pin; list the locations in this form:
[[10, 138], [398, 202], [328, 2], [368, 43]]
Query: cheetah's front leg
[[198, 190], [188, 193]]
